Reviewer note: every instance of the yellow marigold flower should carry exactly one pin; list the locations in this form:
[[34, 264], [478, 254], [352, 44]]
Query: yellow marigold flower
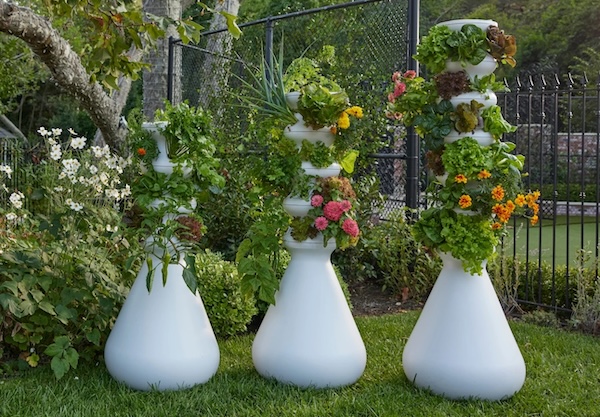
[[498, 193], [510, 206], [535, 207], [460, 178], [464, 201], [501, 212], [531, 198], [520, 200], [496, 226], [355, 111], [344, 121], [484, 174], [534, 220]]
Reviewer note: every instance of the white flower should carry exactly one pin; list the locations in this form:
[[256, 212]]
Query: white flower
[[73, 205], [43, 132], [11, 217], [58, 189], [78, 143], [93, 169], [104, 178], [71, 166], [56, 152], [110, 228], [6, 169], [112, 193], [126, 192], [71, 131], [52, 142], [56, 131], [16, 199]]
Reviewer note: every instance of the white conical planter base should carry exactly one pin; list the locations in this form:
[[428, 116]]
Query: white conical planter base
[[163, 339], [309, 337], [462, 346]]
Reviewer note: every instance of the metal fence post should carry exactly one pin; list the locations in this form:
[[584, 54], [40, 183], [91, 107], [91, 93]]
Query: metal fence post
[[412, 140], [170, 70]]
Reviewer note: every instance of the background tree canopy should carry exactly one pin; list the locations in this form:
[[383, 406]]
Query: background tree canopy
[[553, 36]]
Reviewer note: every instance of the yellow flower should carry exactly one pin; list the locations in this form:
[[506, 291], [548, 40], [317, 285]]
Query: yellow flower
[[510, 206], [498, 193], [520, 200], [355, 111], [496, 226], [484, 174], [460, 178], [344, 121], [534, 220], [464, 201]]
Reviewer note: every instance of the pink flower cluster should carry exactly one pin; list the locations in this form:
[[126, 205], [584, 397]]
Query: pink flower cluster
[[399, 85], [351, 227]]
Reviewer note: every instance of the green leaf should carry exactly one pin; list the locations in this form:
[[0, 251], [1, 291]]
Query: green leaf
[[94, 336], [59, 366], [348, 161], [47, 307], [72, 357]]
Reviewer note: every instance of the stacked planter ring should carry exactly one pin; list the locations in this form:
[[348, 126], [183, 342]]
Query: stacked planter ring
[[462, 345], [308, 338]]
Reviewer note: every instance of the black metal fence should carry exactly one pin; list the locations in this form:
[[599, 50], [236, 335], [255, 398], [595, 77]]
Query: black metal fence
[[558, 123]]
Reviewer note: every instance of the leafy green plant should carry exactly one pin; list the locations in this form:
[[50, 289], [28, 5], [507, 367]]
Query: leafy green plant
[[229, 309], [468, 238], [466, 116], [434, 50], [494, 122], [402, 263], [320, 106]]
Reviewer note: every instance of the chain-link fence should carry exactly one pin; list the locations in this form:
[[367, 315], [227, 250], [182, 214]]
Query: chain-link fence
[[370, 38]]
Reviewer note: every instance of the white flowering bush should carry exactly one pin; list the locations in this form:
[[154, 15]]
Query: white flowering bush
[[62, 252]]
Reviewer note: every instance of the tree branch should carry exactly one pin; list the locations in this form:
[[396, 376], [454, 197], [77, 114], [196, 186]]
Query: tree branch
[[64, 64]]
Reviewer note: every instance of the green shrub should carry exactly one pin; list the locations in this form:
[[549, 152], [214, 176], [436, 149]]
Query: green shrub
[[402, 263], [219, 284], [572, 194], [58, 302]]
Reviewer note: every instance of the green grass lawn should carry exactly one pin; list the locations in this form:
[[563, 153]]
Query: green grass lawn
[[563, 379], [566, 240]]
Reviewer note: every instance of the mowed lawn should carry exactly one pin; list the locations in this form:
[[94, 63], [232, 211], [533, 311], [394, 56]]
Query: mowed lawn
[[561, 238], [562, 380]]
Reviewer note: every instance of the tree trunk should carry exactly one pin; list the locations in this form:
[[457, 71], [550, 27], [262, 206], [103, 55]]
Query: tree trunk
[[215, 67], [65, 66], [156, 78]]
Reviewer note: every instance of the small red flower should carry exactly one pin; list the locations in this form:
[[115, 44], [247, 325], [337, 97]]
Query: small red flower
[[141, 152]]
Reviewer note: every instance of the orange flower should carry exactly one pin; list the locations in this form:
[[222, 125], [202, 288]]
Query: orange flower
[[498, 193], [464, 201], [141, 152], [531, 198], [520, 200], [501, 212], [535, 207], [484, 174], [496, 226], [534, 220], [510, 206], [333, 129], [460, 178]]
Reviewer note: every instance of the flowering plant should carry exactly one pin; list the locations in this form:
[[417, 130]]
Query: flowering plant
[[478, 185], [332, 214], [165, 213], [474, 201]]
